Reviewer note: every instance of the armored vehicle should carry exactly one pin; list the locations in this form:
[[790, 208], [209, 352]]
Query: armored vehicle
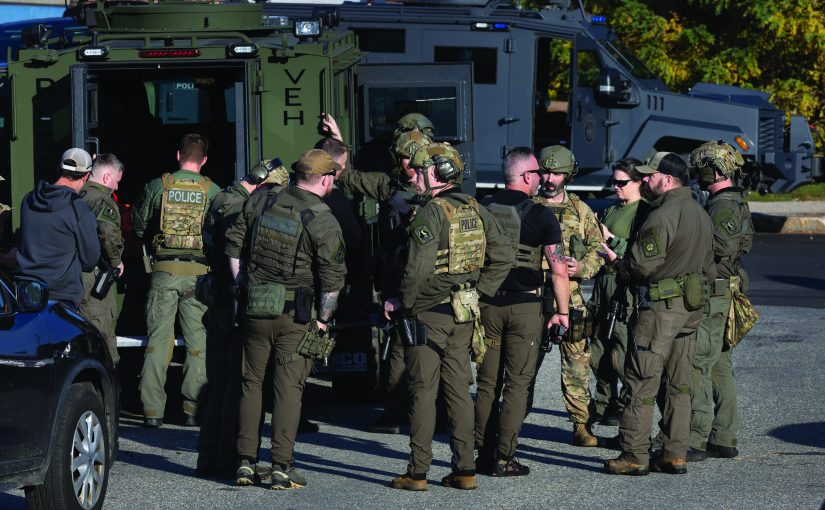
[[560, 76]]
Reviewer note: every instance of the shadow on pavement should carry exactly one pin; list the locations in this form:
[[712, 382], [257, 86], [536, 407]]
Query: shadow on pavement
[[806, 434], [155, 463], [798, 281], [557, 458]]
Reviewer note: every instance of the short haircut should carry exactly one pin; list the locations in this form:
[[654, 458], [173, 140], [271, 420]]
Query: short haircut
[[72, 176], [106, 160], [193, 147], [307, 178], [334, 147], [628, 165], [514, 156]]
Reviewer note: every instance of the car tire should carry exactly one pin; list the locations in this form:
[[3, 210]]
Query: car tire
[[78, 470]]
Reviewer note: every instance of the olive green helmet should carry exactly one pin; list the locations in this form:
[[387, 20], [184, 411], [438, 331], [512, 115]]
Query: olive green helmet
[[558, 160], [407, 143], [719, 156], [447, 161], [413, 121]]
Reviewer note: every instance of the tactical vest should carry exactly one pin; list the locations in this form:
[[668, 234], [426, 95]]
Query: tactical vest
[[182, 213], [466, 240], [570, 216], [509, 218], [277, 235]]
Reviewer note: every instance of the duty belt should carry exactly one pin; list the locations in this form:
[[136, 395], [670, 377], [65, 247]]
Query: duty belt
[[725, 287], [534, 292]]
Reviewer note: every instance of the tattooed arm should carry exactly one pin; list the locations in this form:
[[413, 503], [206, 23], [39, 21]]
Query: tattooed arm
[[554, 253], [326, 307]]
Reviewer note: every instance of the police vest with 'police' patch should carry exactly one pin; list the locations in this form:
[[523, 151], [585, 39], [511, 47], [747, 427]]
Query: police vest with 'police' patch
[[182, 212]]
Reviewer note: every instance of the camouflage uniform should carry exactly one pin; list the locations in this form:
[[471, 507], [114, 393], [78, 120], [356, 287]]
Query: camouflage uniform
[[581, 235], [179, 260], [219, 429], [102, 312]]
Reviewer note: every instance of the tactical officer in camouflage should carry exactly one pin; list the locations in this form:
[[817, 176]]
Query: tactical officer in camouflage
[[107, 171], [671, 263], [714, 423], [581, 234], [293, 270], [512, 318], [438, 306], [614, 304], [169, 218], [413, 122], [217, 450]]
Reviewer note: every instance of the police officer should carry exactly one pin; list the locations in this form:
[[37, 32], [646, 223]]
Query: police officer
[[293, 270], [581, 234], [614, 304], [414, 122], [449, 239], [671, 261], [169, 217], [512, 317], [217, 453], [106, 173], [714, 423]]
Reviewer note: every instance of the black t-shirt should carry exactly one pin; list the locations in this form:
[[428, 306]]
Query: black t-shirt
[[538, 228]]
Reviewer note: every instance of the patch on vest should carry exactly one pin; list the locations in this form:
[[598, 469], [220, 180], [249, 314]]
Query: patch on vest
[[422, 234], [178, 196], [650, 243], [286, 226], [725, 220], [468, 224], [338, 253]]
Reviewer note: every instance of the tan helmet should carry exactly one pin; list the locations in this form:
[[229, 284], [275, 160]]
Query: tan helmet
[[447, 161], [719, 156], [407, 143], [413, 121], [558, 160]]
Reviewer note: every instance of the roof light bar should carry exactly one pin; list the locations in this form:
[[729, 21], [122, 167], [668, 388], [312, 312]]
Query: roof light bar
[[176, 53]]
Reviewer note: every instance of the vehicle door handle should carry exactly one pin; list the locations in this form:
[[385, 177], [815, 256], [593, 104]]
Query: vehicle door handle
[[507, 120]]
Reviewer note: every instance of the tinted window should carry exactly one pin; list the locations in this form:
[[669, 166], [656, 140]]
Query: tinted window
[[588, 69], [388, 104], [483, 59], [381, 40]]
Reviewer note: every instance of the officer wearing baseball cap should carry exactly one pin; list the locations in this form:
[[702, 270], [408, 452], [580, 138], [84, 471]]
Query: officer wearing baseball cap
[[293, 271], [59, 230]]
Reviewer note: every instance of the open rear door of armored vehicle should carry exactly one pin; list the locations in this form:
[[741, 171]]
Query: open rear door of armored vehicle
[[441, 92]]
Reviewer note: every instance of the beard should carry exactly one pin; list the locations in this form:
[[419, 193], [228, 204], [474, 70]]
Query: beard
[[549, 190]]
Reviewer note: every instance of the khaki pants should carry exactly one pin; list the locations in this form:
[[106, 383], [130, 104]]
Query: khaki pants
[[447, 360], [170, 296], [101, 312], [264, 339], [662, 354], [513, 332]]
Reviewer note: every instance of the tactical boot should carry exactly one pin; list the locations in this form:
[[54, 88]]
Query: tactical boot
[[662, 464], [153, 423], [409, 482], [245, 475], [510, 467], [307, 427], [485, 463], [190, 421], [610, 420], [390, 422], [722, 452], [582, 436], [622, 465], [460, 480], [286, 478], [696, 455]]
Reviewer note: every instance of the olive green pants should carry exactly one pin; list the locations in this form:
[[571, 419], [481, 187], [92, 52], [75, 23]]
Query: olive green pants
[[217, 442], [169, 296], [709, 342], [396, 385], [513, 332], [101, 312], [607, 359], [446, 358], [662, 354], [726, 413], [264, 339]]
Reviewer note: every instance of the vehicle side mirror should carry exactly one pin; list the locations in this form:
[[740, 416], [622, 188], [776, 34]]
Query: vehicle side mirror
[[613, 88], [32, 295], [7, 308]]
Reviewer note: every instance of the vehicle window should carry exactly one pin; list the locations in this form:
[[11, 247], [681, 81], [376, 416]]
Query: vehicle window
[[6, 303], [381, 40], [439, 104], [483, 59], [189, 101], [552, 89], [588, 69]]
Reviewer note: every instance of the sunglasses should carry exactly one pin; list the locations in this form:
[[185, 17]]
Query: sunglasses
[[620, 183], [332, 172], [536, 171]]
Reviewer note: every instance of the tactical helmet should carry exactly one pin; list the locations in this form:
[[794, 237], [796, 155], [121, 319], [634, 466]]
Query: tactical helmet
[[413, 121], [269, 171], [719, 156], [407, 143], [558, 160], [448, 164]]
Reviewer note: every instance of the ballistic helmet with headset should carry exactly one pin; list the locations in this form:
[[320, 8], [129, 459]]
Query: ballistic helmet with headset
[[407, 143], [559, 160], [269, 171], [449, 168], [718, 156], [413, 121]]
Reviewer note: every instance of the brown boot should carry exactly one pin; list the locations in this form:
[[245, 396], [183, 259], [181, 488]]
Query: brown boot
[[582, 436], [622, 465], [669, 465], [409, 482], [461, 481]]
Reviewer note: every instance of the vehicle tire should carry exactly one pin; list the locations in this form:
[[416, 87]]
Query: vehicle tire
[[78, 470]]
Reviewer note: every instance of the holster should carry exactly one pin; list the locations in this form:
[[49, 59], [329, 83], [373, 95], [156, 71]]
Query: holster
[[103, 282], [412, 331], [204, 289], [303, 305]]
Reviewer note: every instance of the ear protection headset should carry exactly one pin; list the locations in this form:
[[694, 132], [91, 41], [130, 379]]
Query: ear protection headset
[[445, 169], [260, 172]]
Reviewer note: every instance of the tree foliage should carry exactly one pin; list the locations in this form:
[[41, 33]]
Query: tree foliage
[[772, 45]]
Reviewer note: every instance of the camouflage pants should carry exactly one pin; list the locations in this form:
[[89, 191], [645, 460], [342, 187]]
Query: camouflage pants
[[170, 296], [575, 379], [101, 312]]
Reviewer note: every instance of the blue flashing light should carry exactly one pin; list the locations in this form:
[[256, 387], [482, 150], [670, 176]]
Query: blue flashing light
[[500, 26], [601, 20]]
